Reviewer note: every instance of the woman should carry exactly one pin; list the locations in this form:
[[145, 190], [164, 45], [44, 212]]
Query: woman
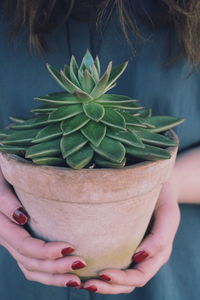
[[167, 28]]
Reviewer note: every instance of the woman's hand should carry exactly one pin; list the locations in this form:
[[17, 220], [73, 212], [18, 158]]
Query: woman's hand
[[42, 262], [152, 253]]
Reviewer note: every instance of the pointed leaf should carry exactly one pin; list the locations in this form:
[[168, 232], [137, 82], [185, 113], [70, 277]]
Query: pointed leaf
[[110, 149], [66, 71], [50, 161], [100, 161], [102, 83], [73, 71], [148, 153], [32, 123], [109, 98], [69, 85], [65, 112], [132, 120], [116, 72], [18, 150], [154, 138], [74, 124], [113, 118], [17, 120], [94, 73], [97, 65], [83, 96], [51, 148], [163, 123], [59, 98], [57, 76], [125, 137], [87, 82], [87, 61], [22, 137], [6, 132], [43, 109], [144, 113], [94, 111], [81, 158], [72, 143], [94, 132], [48, 133]]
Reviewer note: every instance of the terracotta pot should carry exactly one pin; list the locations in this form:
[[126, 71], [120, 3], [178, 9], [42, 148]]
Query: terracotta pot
[[103, 213]]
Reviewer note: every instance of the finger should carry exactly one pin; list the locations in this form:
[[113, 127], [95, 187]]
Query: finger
[[19, 239], [9, 203], [51, 279], [98, 286]]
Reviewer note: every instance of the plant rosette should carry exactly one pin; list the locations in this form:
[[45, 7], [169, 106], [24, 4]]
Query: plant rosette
[[89, 166]]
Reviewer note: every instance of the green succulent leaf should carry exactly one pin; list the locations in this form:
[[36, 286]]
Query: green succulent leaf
[[87, 61], [80, 159], [17, 120], [132, 120], [110, 98], [70, 86], [72, 143], [163, 123], [101, 162], [59, 98], [144, 113], [148, 153], [94, 111], [43, 109], [48, 133], [74, 124], [22, 137], [94, 73], [32, 123], [51, 148], [87, 82], [94, 132], [50, 161], [113, 118], [111, 150], [97, 65], [65, 112], [66, 71], [102, 83], [116, 72], [154, 138], [57, 76], [126, 137], [18, 150], [73, 69], [83, 96], [6, 132]]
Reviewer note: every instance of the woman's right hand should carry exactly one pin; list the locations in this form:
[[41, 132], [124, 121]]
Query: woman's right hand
[[47, 263]]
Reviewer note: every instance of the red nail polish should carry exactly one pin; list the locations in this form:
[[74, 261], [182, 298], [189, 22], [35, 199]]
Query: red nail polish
[[91, 288], [72, 283], [78, 265], [20, 216], [105, 277], [67, 251], [140, 256]]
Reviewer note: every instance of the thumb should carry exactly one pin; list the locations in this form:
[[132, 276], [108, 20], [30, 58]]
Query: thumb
[[10, 205]]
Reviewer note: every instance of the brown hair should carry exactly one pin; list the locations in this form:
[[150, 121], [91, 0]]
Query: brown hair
[[39, 17]]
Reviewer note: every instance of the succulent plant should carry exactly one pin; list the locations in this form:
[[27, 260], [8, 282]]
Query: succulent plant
[[87, 127]]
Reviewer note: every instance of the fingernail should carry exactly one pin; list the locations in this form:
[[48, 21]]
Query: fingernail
[[105, 277], [140, 256], [20, 216], [78, 265], [67, 251], [91, 288], [72, 283]]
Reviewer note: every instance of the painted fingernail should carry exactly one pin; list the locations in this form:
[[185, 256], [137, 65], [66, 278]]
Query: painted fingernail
[[140, 256], [67, 251], [91, 288], [78, 265], [105, 277], [20, 216], [72, 283]]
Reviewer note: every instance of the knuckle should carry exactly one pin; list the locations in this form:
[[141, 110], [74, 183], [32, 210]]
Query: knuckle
[[129, 290], [142, 283]]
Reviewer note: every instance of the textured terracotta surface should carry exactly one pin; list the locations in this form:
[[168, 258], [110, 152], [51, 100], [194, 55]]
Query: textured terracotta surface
[[104, 213]]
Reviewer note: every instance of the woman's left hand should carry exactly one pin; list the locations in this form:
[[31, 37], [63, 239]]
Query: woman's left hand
[[153, 252]]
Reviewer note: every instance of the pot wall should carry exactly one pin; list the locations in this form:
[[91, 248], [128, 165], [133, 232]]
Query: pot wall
[[104, 213]]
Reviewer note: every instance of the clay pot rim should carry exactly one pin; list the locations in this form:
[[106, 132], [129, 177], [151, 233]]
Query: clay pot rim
[[21, 160]]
